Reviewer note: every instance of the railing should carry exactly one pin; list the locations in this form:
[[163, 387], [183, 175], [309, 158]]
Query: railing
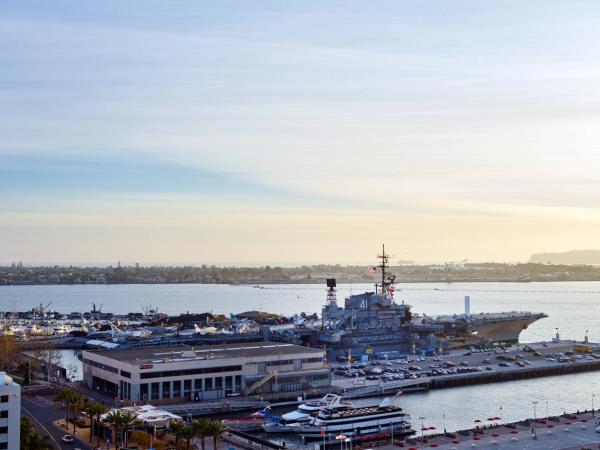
[[260, 382]]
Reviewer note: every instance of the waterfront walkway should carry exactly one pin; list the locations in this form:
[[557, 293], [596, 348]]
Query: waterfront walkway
[[563, 433]]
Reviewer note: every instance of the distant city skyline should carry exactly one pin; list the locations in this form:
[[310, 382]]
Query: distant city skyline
[[268, 132]]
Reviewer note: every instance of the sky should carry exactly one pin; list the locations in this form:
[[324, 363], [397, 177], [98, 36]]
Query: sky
[[236, 132]]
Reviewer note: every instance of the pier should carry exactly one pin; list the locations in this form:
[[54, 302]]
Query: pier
[[538, 366]]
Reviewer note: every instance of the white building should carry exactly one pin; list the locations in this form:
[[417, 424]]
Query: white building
[[10, 413], [191, 373]]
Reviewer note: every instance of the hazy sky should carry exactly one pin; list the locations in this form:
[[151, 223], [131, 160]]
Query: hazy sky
[[283, 132]]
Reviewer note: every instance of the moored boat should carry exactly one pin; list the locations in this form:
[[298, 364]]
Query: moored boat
[[355, 421]]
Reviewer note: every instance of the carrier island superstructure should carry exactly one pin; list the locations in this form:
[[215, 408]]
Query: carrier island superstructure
[[374, 322]]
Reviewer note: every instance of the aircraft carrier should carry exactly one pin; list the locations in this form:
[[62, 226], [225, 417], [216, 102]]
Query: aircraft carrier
[[374, 322]]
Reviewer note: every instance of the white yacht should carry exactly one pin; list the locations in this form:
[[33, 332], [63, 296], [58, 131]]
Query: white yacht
[[355, 421], [304, 413]]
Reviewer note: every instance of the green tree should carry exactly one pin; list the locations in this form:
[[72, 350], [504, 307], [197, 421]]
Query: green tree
[[202, 430], [177, 429], [71, 400], [114, 419], [95, 410], [121, 422], [130, 420], [217, 430], [31, 439], [61, 398], [37, 441]]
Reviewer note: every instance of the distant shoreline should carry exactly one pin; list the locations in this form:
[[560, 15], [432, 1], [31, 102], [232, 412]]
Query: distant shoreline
[[311, 283]]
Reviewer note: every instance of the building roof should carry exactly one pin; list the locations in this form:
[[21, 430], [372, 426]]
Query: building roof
[[149, 414], [181, 353]]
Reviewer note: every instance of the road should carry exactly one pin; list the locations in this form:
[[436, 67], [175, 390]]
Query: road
[[43, 412]]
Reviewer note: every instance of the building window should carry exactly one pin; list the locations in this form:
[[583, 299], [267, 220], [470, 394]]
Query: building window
[[3, 398], [155, 391], [238, 383], [208, 384], [166, 389], [281, 362], [229, 383], [3, 430], [3, 414], [125, 374], [185, 372], [144, 392], [187, 388], [218, 383], [176, 389], [3, 445], [198, 384]]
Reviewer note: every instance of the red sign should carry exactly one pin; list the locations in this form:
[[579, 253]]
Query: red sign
[[146, 366]]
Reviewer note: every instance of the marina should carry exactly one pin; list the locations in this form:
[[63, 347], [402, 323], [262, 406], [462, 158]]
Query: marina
[[380, 361]]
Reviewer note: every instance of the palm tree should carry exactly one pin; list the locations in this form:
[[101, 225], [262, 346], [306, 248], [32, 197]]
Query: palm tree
[[75, 400], [202, 429], [95, 410], [114, 419], [177, 429], [217, 430], [130, 420], [188, 434]]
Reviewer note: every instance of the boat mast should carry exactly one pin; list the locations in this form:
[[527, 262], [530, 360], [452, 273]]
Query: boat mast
[[384, 257]]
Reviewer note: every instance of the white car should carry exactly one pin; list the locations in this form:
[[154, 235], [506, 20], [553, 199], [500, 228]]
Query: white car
[[68, 439]]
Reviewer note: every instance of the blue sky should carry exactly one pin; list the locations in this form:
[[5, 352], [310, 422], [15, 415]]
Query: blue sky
[[249, 132]]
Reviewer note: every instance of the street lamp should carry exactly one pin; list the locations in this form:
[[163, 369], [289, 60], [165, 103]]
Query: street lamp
[[593, 395], [422, 430], [444, 423], [534, 420]]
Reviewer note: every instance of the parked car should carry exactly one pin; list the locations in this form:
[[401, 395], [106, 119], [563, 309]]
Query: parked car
[[68, 439]]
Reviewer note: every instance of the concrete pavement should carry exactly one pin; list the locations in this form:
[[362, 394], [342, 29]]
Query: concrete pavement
[[577, 433]]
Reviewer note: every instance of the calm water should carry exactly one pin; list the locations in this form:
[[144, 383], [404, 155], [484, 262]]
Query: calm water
[[572, 307]]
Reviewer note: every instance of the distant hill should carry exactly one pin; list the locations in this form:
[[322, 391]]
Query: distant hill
[[591, 257]]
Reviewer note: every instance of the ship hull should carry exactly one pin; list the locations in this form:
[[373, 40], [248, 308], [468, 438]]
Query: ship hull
[[507, 331]]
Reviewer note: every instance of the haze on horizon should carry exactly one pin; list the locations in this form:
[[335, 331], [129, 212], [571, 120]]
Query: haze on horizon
[[260, 132]]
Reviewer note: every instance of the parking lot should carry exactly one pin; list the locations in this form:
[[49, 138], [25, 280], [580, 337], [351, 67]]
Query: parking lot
[[459, 364]]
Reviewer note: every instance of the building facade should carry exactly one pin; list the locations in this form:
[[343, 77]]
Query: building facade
[[10, 413], [192, 373]]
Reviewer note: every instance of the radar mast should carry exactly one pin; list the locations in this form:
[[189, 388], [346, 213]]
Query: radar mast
[[386, 287]]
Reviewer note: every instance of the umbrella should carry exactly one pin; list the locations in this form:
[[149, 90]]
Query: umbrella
[[431, 428], [477, 421]]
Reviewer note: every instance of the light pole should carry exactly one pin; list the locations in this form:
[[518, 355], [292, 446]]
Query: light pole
[[534, 420], [422, 431], [444, 423], [547, 414], [593, 395]]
